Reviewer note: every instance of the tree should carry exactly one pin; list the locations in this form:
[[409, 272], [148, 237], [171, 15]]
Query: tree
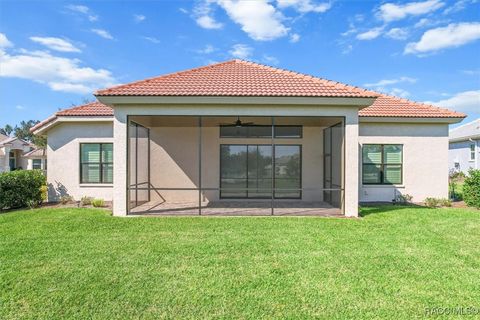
[[7, 130]]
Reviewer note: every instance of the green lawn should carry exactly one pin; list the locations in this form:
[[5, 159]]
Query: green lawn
[[83, 263]]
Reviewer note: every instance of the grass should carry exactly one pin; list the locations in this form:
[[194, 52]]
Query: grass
[[83, 263]]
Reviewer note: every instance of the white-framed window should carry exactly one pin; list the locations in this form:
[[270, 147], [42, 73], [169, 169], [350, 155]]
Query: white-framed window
[[472, 152], [37, 164]]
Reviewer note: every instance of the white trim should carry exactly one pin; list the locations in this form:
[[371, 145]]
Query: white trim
[[410, 119], [465, 138], [55, 121], [96, 185], [199, 100]]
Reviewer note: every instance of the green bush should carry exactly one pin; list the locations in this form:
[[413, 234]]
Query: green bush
[[66, 199], [444, 202], [86, 201], [432, 202], [21, 188], [471, 188], [98, 203]]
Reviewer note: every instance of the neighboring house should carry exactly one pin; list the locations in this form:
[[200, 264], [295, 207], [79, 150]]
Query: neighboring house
[[208, 138], [464, 148], [16, 154]]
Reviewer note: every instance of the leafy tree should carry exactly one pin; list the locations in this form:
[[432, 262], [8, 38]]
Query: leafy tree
[[7, 130]]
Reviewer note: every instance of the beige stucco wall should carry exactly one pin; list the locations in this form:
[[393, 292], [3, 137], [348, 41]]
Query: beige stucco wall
[[174, 161], [63, 149], [425, 159]]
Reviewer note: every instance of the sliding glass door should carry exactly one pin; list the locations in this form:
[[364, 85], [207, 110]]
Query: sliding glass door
[[246, 171]]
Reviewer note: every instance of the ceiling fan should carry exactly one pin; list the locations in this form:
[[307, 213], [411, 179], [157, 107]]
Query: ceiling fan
[[237, 124]]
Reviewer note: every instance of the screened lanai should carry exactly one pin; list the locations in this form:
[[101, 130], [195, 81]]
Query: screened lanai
[[247, 165]]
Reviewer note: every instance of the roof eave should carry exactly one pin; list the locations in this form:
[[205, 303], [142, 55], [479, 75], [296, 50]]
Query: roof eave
[[359, 102], [59, 119], [430, 119]]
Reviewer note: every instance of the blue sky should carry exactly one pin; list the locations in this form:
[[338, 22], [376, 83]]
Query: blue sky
[[53, 54]]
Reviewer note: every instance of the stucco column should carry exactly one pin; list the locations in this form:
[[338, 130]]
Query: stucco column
[[119, 164], [350, 207], [6, 164]]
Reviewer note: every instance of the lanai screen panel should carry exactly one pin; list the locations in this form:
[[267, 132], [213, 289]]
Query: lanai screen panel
[[139, 164]]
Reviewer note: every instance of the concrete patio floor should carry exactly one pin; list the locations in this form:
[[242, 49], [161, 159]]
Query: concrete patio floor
[[238, 208]]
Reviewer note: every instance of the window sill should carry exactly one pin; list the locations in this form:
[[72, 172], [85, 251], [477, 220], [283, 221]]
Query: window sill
[[96, 185], [400, 186]]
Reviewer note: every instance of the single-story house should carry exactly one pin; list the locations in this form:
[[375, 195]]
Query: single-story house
[[464, 147], [239, 137], [16, 153]]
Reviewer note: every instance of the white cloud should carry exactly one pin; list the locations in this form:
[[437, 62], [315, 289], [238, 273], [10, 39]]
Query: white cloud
[[241, 51], [56, 44], [467, 101], [152, 39], [83, 10], [453, 35], [294, 38], [370, 34], [259, 19], [390, 12], [304, 6], [103, 33], [472, 72], [139, 17], [207, 49], [208, 22], [270, 59], [58, 73], [347, 49], [397, 33], [387, 82], [385, 86], [4, 42], [183, 10], [203, 15], [398, 92], [459, 5], [19, 107]]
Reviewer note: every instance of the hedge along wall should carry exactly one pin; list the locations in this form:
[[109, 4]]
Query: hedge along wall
[[22, 188], [471, 189]]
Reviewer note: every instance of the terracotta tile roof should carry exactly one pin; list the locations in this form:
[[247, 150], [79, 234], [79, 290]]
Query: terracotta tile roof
[[390, 106], [237, 78], [90, 109], [93, 109], [243, 78], [384, 106]]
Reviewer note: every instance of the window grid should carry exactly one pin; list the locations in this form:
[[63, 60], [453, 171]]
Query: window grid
[[472, 152], [382, 165], [100, 164], [248, 132]]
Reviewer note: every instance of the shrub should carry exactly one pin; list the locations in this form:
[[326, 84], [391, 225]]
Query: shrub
[[444, 202], [44, 191], [432, 202], [86, 201], [471, 188], [98, 203], [437, 202], [22, 188], [66, 199]]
